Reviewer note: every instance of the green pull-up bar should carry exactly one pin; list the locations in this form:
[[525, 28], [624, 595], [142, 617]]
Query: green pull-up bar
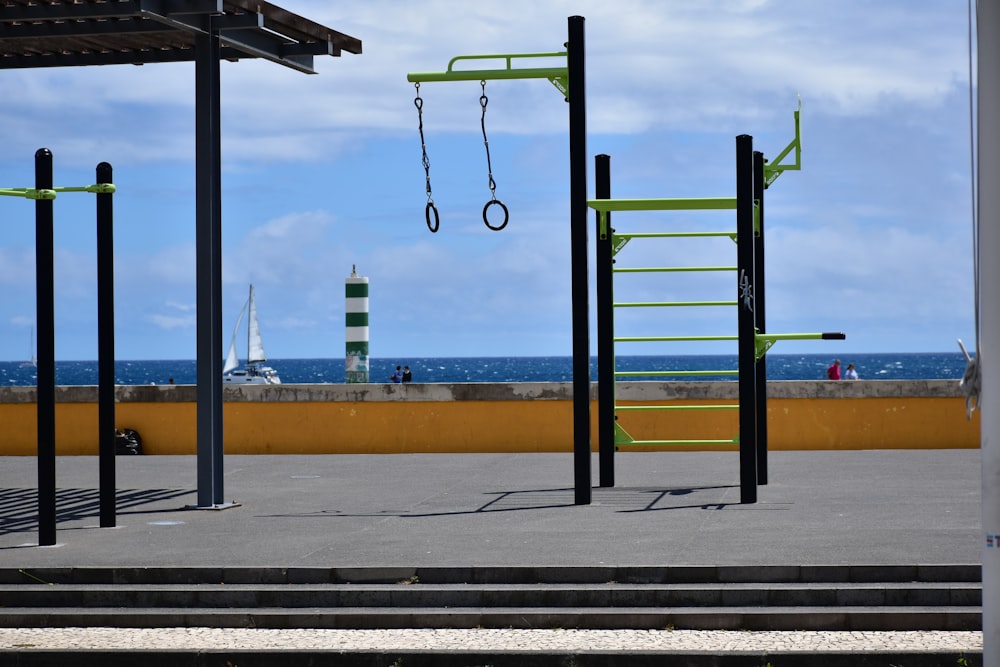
[[559, 76], [49, 194]]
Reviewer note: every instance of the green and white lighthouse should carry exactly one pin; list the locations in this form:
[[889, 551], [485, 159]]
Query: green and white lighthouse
[[356, 319]]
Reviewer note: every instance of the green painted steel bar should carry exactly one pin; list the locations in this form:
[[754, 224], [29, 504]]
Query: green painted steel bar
[[764, 342], [636, 408], [774, 337], [671, 204], [774, 168], [29, 193], [48, 194], [674, 373], [667, 304], [97, 189], [654, 269], [645, 339], [654, 235], [651, 443], [507, 73]]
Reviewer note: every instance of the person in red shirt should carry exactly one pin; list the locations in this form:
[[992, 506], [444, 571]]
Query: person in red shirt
[[833, 372]]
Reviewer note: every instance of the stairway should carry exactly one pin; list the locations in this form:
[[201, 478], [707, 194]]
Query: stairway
[[832, 598]]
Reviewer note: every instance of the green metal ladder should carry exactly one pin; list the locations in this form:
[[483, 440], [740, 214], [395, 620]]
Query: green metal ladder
[[753, 176]]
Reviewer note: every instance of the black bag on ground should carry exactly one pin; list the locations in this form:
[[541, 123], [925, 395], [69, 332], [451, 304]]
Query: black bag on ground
[[127, 441]]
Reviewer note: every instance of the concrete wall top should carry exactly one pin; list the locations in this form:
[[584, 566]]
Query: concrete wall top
[[479, 391]]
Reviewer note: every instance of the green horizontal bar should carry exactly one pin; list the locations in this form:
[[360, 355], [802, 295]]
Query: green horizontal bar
[[507, 73], [28, 193], [674, 204], [667, 269], [675, 442], [829, 335], [657, 304], [674, 373], [619, 408], [643, 339], [99, 188], [658, 235]]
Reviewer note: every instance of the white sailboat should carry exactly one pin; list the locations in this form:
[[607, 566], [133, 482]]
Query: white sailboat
[[32, 362], [255, 371]]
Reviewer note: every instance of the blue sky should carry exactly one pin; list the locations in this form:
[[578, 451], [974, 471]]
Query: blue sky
[[873, 237]]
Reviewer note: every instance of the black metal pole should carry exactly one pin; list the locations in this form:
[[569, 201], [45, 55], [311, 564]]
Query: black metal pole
[[208, 283], [576, 62], [45, 316], [759, 317], [106, 348], [216, 360], [746, 335], [605, 329]]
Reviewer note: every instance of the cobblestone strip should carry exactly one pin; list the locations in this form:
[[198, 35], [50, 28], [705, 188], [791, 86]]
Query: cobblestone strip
[[485, 640]]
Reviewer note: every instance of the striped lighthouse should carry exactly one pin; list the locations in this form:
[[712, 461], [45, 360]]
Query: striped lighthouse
[[356, 316]]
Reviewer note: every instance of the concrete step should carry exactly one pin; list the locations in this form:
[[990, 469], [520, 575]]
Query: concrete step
[[498, 575], [491, 595], [842, 618], [944, 597]]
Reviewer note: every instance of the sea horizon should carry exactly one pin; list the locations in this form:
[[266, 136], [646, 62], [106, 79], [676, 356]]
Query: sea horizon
[[331, 370]]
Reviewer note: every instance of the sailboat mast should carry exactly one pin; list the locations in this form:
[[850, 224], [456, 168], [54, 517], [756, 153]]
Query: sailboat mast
[[251, 319]]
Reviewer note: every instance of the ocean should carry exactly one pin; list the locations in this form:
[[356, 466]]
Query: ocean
[[890, 366]]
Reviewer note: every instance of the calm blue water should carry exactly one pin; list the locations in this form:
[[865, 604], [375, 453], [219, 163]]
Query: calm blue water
[[923, 366]]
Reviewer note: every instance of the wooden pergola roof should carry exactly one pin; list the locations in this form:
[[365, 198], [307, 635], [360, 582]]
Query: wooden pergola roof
[[65, 33]]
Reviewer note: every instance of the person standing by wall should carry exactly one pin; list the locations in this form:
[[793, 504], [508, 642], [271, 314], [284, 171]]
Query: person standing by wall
[[833, 372]]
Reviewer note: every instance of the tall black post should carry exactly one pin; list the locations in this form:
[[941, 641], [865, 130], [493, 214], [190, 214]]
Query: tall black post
[[746, 334], [45, 316], [208, 250], [106, 347], [605, 328], [759, 317], [576, 60]]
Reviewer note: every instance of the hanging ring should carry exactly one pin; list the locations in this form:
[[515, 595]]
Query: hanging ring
[[506, 214], [437, 218]]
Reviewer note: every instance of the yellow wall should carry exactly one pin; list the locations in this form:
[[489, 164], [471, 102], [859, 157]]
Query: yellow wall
[[493, 426]]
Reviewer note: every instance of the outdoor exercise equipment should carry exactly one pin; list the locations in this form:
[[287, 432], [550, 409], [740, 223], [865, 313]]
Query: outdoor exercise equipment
[[570, 79], [557, 75], [752, 177], [44, 195]]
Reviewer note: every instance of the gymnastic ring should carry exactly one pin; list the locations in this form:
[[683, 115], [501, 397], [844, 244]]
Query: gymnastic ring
[[427, 216], [506, 214]]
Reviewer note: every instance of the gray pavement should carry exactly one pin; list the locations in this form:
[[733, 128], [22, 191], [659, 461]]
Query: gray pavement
[[821, 508], [855, 507]]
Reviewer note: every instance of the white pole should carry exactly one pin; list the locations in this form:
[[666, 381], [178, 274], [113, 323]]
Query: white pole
[[356, 320], [988, 187]]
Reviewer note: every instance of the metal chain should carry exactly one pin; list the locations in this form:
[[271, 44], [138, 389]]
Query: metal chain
[[431, 207], [483, 101]]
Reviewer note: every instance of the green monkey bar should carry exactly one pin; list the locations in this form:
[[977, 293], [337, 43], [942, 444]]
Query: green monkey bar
[[49, 194]]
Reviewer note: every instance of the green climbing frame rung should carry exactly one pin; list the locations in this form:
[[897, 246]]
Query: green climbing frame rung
[[674, 373], [655, 443], [653, 408], [670, 204], [647, 339], [672, 235], [670, 304], [667, 269]]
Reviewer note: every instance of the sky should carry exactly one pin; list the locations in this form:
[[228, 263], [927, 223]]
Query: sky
[[321, 173]]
